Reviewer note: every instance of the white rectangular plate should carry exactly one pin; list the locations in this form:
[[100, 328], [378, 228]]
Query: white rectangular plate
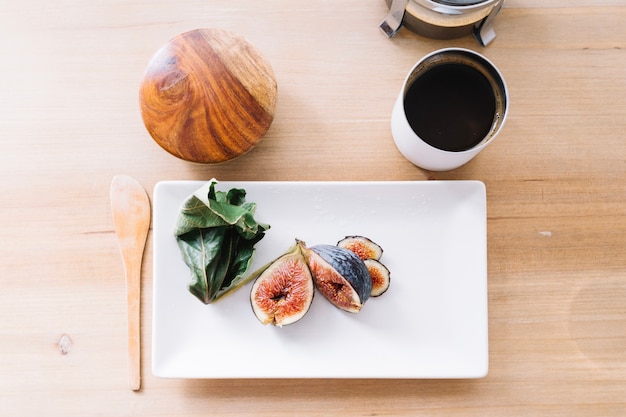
[[431, 323]]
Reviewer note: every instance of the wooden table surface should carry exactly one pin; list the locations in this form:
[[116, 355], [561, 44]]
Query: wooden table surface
[[555, 179]]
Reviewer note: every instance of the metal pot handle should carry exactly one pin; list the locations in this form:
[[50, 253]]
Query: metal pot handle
[[483, 30], [393, 21]]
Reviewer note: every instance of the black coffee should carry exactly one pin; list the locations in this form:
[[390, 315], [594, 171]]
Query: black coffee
[[451, 107]]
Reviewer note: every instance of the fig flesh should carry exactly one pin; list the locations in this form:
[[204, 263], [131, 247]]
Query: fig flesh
[[370, 252], [364, 247], [381, 277], [283, 292], [339, 275]]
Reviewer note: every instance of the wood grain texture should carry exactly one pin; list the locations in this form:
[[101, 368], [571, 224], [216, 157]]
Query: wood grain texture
[[208, 96], [130, 206], [555, 179]]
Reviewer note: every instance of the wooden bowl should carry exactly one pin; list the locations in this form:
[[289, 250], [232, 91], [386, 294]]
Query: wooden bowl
[[208, 96]]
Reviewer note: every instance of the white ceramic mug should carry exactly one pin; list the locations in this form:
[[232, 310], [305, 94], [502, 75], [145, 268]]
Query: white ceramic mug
[[405, 122]]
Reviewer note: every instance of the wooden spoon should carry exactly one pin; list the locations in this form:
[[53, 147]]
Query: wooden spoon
[[131, 215]]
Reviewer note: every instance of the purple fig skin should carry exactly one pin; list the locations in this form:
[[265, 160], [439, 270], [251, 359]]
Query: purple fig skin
[[350, 267]]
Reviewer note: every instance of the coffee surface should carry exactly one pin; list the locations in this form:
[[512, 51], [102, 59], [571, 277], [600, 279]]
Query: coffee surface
[[451, 106]]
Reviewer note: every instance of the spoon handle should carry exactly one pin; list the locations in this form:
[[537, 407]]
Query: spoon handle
[[133, 297]]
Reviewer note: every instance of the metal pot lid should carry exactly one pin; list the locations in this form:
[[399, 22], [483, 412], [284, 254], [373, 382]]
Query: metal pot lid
[[461, 2]]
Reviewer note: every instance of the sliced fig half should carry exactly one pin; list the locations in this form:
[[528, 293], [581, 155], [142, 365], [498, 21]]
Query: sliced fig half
[[283, 292], [381, 277], [340, 275], [364, 247]]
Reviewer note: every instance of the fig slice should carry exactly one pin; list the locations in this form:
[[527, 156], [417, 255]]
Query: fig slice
[[381, 277], [364, 247], [283, 292], [339, 275]]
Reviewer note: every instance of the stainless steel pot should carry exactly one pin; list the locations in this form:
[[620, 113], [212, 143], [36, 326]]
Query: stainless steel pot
[[443, 19]]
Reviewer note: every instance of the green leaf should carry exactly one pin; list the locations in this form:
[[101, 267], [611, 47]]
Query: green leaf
[[216, 233]]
